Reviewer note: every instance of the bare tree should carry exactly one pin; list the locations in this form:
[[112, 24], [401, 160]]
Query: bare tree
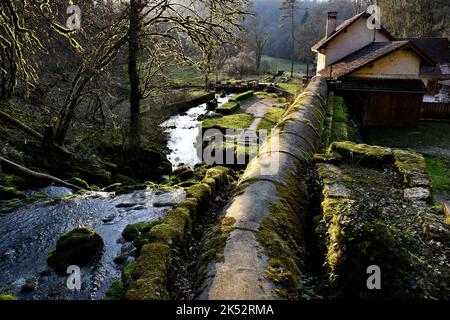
[[289, 9], [259, 38]]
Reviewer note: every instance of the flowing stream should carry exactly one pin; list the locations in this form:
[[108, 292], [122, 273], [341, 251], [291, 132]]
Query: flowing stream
[[28, 234], [183, 131]]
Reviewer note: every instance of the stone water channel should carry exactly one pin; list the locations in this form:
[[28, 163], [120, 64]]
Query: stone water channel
[[28, 234]]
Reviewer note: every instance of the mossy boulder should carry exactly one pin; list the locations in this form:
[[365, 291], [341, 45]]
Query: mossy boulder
[[8, 193], [184, 173], [150, 273], [136, 165], [228, 108], [242, 96], [116, 291], [77, 247], [80, 183], [201, 192], [362, 153], [7, 297], [133, 230], [125, 189]]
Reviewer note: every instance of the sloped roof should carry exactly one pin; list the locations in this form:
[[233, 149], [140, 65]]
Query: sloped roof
[[366, 55], [343, 26], [437, 49]]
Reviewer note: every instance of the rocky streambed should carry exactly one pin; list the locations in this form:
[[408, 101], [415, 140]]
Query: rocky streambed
[[30, 233]]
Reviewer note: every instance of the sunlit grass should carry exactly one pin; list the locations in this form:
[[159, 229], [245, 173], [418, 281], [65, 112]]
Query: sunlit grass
[[439, 171]]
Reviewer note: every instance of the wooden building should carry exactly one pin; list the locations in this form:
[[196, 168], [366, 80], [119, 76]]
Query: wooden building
[[379, 76]]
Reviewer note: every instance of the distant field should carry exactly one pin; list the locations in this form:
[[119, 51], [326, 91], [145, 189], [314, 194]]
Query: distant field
[[185, 76], [277, 64]]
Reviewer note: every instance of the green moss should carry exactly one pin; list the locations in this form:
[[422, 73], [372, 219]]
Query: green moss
[[127, 272], [439, 171], [77, 247], [9, 180], [201, 191], [281, 234], [213, 246], [339, 132], [293, 86], [125, 189], [163, 241], [234, 121], [166, 233], [412, 167], [437, 209], [183, 173], [131, 231], [141, 241], [191, 204], [369, 225], [80, 183], [242, 96], [116, 291], [340, 116], [150, 273], [8, 193], [38, 196], [7, 297], [271, 118], [228, 108], [361, 152]]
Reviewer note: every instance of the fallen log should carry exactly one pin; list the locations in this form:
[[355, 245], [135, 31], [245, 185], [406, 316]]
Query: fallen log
[[37, 175], [6, 117]]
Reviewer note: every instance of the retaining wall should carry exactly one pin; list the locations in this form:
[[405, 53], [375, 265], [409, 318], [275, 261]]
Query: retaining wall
[[264, 250]]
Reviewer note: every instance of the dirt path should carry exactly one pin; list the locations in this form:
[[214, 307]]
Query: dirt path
[[258, 109]]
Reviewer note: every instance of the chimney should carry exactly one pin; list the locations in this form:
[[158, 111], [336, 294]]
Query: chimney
[[331, 23]]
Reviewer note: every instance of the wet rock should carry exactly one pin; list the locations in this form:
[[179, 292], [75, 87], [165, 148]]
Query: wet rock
[[120, 259], [435, 228], [184, 173], [132, 231], [45, 273], [127, 249], [77, 247], [166, 204], [80, 183], [417, 194], [337, 191], [108, 219], [30, 285], [212, 104], [112, 187], [125, 205]]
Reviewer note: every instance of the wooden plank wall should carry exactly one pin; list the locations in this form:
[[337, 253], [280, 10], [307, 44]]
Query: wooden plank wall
[[392, 109], [432, 110]]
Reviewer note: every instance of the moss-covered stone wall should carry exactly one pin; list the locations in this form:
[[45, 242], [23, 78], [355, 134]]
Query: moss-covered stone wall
[[264, 247], [149, 277]]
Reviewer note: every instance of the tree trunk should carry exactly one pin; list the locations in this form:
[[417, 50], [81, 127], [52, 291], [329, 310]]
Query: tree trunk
[[292, 39], [27, 173], [134, 139], [7, 118]]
